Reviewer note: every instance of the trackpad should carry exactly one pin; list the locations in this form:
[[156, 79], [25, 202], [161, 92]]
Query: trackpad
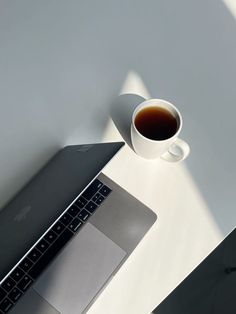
[[76, 276]]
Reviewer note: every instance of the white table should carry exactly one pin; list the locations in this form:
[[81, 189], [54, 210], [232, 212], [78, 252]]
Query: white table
[[182, 237], [58, 57], [194, 201]]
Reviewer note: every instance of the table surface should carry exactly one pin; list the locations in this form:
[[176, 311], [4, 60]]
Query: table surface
[[175, 244], [58, 57], [186, 230]]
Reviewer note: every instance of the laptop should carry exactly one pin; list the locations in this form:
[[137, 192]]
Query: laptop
[[66, 233]]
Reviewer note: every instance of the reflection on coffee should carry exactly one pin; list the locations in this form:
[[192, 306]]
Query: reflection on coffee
[[156, 123]]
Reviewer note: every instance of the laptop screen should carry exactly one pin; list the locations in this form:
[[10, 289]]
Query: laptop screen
[[39, 204]]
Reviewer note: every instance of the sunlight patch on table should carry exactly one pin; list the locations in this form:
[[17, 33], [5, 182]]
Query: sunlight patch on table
[[231, 5], [133, 84]]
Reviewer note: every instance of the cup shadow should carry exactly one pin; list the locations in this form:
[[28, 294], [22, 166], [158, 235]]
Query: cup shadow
[[121, 110]]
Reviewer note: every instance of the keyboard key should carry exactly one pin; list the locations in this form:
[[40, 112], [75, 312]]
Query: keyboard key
[[2, 294], [105, 190], [8, 284], [92, 189], [75, 225], [42, 246], [83, 215], [25, 283], [15, 294], [17, 274], [51, 252], [99, 200], [26, 264], [6, 305], [50, 236], [34, 255], [66, 219], [58, 227], [73, 210], [95, 197], [81, 202], [91, 207]]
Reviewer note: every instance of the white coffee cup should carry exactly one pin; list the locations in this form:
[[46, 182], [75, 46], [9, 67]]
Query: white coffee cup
[[171, 149]]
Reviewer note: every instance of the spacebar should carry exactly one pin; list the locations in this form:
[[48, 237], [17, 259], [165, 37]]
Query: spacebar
[[51, 252]]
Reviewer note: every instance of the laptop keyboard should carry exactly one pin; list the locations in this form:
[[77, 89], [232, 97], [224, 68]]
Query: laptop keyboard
[[22, 277]]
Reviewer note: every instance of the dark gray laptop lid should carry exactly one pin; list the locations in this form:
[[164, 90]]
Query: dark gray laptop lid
[[36, 207]]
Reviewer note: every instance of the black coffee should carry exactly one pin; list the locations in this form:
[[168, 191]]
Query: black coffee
[[156, 123]]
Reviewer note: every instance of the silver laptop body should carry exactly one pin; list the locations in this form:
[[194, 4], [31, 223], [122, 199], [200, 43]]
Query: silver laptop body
[[107, 225]]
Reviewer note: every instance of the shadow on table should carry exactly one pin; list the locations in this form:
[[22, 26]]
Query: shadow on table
[[210, 288], [121, 111]]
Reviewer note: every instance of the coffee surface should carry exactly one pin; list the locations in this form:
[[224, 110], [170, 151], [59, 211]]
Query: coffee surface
[[156, 123]]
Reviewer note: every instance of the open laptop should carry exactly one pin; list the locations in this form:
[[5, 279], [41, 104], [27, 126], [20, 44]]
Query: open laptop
[[69, 210]]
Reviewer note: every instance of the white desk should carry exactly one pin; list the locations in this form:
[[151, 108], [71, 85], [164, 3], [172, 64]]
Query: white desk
[[186, 230], [173, 247], [58, 57]]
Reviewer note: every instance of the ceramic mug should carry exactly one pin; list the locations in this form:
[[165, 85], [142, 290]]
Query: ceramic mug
[[171, 149]]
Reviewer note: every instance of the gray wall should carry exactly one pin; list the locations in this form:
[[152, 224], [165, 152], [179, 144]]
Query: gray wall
[[61, 63]]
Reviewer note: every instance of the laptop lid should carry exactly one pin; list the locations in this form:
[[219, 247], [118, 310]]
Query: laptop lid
[[36, 207]]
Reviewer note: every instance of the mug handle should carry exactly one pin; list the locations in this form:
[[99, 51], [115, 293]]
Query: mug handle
[[178, 151]]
